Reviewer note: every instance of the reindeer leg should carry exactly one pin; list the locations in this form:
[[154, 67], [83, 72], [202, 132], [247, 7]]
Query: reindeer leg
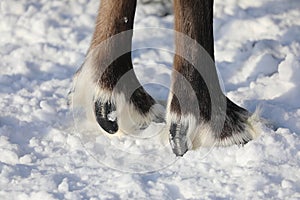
[[199, 114], [106, 82]]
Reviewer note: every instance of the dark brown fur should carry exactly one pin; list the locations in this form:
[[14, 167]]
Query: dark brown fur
[[193, 18], [110, 20], [117, 17]]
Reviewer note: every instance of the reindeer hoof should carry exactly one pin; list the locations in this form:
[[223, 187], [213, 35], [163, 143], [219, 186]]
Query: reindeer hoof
[[106, 116], [178, 138]]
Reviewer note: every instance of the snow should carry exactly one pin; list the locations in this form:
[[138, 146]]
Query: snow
[[44, 155]]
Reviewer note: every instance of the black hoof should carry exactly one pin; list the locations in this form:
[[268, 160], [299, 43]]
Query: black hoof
[[178, 139], [105, 116]]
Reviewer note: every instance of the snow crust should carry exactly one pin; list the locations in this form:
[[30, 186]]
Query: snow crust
[[45, 156]]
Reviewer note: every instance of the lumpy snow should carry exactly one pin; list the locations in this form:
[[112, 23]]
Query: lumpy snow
[[44, 155]]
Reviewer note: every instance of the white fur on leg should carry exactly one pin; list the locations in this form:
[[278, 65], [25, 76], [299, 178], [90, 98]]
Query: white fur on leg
[[85, 92], [130, 119], [205, 136], [202, 135]]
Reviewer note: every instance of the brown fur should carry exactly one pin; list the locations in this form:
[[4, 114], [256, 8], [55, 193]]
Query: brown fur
[[111, 19], [193, 18], [117, 17]]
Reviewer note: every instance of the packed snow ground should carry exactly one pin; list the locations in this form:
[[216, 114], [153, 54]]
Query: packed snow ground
[[42, 44]]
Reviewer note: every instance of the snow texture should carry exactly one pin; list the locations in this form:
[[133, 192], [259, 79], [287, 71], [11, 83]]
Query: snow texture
[[44, 154]]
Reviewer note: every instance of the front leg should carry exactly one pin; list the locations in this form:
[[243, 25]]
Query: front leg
[[106, 85], [199, 114]]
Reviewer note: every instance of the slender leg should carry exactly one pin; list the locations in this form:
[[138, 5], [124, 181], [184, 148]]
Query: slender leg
[[193, 117], [106, 79]]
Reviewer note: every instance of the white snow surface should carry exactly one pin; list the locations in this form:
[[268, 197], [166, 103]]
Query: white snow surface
[[42, 156]]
